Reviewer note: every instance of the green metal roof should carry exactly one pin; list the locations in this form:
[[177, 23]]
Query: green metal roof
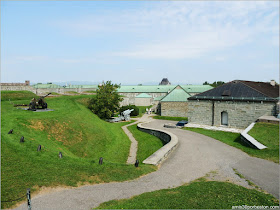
[[145, 89], [82, 86], [196, 88], [178, 94], [67, 87], [143, 95], [90, 86], [158, 98], [46, 86], [162, 88]]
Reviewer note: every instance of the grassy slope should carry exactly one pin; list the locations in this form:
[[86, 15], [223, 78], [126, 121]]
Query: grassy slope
[[147, 144], [16, 95], [170, 118], [266, 134], [72, 129], [197, 195]]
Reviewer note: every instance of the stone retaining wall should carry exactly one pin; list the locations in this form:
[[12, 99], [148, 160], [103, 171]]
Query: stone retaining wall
[[160, 155]]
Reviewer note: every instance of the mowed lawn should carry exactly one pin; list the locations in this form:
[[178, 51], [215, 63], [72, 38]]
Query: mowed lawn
[[71, 129], [265, 133], [170, 118], [147, 144], [196, 195]]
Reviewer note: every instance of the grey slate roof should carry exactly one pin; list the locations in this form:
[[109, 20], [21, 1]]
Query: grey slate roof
[[241, 90]]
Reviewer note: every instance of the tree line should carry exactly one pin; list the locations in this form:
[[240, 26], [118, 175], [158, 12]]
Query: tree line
[[214, 84]]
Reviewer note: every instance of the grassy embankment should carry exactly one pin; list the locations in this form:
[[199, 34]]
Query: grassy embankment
[[90, 91], [147, 144], [197, 195], [265, 133], [170, 118], [72, 92], [71, 129]]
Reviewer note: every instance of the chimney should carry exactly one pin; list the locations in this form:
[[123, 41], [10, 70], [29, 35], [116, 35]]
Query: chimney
[[272, 82]]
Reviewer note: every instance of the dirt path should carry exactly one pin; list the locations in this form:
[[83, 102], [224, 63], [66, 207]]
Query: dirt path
[[134, 144]]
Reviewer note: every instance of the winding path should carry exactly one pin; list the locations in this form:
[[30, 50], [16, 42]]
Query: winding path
[[195, 156], [134, 144]]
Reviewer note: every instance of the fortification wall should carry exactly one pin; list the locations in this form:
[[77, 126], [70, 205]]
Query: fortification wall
[[17, 88], [240, 113]]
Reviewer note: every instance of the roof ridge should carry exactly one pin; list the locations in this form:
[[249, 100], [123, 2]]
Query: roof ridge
[[243, 82], [169, 92], [182, 89]]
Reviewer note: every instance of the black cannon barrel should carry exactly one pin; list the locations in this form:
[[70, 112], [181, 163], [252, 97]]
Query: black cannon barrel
[[45, 95]]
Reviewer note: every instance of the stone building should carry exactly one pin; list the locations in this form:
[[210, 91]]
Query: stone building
[[17, 86], [164, 81], [175, 103], [234, 104], [143, 99], [157, 92]]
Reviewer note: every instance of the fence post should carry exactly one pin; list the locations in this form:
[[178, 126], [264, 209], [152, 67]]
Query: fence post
[[28, 199]]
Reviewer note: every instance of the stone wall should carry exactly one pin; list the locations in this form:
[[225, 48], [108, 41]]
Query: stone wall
[[143, 101], [160, 155], [240, 114], [174, 109], [18, 88], [129, 98]]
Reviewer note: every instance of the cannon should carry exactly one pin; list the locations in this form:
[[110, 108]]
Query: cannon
[[38, 103], [125, 115]]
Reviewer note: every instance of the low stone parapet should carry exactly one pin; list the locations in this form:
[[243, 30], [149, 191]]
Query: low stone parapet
[[160, 155]]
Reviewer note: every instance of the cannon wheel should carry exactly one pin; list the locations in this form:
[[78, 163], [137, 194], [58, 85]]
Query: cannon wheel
[[45, 105], [32, 106]]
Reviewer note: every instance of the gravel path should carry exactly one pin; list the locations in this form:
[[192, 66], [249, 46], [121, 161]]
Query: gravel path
[[195, 156]]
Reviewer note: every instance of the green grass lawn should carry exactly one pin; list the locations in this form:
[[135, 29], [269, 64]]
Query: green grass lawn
[[267, 134], [90, 91], [72, 92], [55, 94], [196, 195], [147, 144], [17, 95], [71, 129], [170, 118]]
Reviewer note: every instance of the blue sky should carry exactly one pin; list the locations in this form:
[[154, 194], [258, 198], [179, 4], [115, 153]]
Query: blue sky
[[132, 42]]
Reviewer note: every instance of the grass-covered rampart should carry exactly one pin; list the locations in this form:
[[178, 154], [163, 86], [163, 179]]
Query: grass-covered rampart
[[71, 129]]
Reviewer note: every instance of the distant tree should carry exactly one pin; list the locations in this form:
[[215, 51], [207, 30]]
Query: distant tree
[[206, 83], [107, 100], [217, 83]]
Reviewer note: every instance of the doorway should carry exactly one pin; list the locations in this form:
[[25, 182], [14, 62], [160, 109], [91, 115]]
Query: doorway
[[224, 118]]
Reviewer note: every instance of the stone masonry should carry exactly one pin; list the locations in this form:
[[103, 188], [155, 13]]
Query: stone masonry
[[240, 114], [174, 109]]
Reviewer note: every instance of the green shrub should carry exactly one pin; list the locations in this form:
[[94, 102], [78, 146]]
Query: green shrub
[[135, 111]]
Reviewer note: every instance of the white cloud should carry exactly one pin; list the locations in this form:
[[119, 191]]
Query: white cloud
[[182, 29]]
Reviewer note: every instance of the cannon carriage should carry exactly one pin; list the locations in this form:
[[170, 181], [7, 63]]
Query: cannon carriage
[[38, 103]]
